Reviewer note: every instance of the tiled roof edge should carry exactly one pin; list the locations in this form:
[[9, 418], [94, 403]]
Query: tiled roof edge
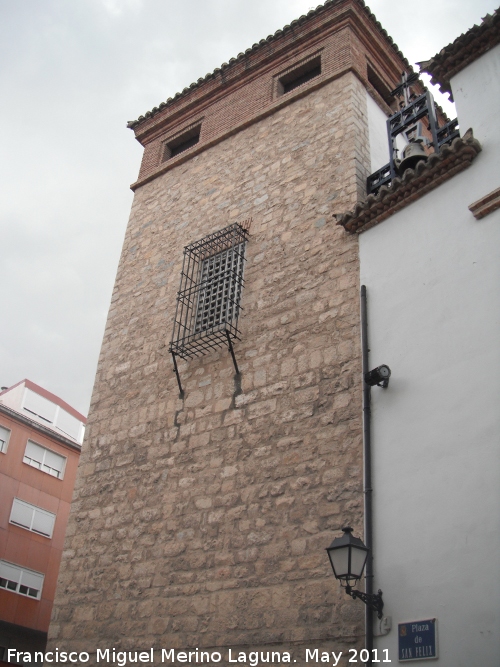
[[132, 124], [414, 183], [465, 49]]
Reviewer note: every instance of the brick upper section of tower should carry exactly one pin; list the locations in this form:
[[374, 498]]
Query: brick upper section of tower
[[343, 34]]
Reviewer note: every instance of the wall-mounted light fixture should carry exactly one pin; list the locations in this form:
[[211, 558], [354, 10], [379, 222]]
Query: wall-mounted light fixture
[[378, 376], [348, 557]]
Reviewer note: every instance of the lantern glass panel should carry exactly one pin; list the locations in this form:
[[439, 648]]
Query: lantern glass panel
[[340, 561], [358, 560]]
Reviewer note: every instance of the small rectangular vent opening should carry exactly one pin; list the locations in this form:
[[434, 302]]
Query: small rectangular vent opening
[[300, 75], [181, 143], [379, 85]]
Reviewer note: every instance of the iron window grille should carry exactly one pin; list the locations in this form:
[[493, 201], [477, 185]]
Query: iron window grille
[[208, 301], [407, 121]]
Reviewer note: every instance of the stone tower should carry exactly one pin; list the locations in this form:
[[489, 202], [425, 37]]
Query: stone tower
[[201, 516]]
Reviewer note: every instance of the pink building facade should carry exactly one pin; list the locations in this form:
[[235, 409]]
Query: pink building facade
[[40, 444]]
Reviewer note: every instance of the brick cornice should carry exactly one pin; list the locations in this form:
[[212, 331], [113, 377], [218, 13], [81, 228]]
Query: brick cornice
[[415, 183], [485, 205], [347, 36], [222, 88], [272, 108], [255, 60]]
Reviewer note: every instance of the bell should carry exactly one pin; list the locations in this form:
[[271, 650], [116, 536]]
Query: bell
[[412, 154]]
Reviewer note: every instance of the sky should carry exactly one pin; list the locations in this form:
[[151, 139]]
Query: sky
[[73, 73]]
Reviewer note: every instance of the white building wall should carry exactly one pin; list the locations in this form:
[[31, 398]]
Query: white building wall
[[377, 132], [433, 280], [14, 397], [476, 91]]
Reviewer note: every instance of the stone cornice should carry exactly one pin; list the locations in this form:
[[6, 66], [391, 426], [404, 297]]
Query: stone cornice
[[463, 51], [415, 183]]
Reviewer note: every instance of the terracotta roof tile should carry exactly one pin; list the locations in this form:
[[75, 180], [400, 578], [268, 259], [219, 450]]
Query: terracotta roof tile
[[414, 183]]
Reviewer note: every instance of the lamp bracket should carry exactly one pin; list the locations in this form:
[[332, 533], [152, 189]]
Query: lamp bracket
[[372, 600]]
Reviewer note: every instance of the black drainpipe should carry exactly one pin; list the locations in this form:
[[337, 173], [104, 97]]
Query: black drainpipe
[[367, 465]]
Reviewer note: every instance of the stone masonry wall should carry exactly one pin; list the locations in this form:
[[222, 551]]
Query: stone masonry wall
[[203, 522]]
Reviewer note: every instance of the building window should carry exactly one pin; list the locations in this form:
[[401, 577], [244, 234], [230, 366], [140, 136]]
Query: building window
[[208, 301], [299, 75], [4, 438], [20, 580], [44, 459], [32, 518], [181, 143], [220, 289]]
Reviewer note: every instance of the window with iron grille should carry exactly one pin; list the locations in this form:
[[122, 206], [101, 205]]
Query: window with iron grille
[[208, 301], [220, 288]]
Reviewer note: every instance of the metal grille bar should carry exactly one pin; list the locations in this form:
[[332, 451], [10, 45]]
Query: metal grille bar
[[422, 106], [208, 301], [448, 132]]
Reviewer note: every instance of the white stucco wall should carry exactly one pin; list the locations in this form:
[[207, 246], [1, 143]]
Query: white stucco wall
[[14, 397], [433, 280], [377, 132], [377, 129], [476, 91]]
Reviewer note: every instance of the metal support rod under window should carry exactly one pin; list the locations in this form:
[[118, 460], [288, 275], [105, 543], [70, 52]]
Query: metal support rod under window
[[181, 390], [230, 345]]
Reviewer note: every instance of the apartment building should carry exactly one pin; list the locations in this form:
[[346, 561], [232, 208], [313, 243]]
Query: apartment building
[[40, 444]]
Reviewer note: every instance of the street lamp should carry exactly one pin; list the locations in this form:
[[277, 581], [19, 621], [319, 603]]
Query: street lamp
[[348, 556]]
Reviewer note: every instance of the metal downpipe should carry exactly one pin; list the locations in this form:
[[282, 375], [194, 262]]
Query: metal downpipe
[[367, 473]]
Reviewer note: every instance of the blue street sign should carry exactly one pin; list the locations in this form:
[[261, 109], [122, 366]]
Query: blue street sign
[[417, 640]]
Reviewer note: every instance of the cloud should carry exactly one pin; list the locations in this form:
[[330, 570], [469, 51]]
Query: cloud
[[118, 7]]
